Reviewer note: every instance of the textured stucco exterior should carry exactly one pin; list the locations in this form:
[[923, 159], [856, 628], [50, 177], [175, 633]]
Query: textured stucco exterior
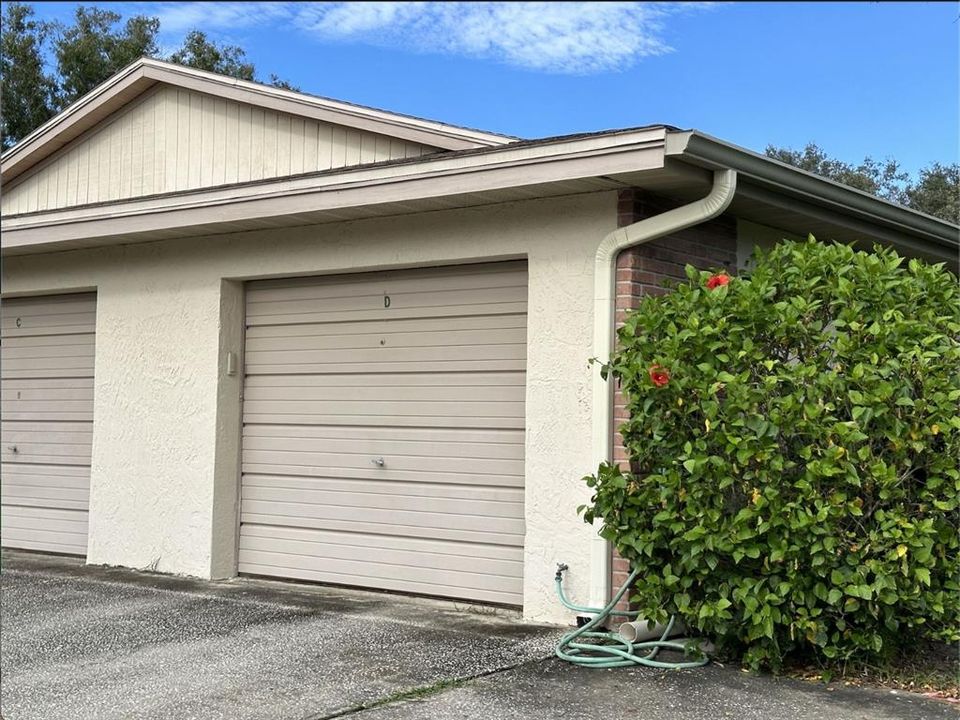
[[165, 473]]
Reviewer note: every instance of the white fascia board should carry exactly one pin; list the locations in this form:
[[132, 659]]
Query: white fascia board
[[430, 177]]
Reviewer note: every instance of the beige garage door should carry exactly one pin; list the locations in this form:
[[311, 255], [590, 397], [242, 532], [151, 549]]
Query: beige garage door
[[383, 431], [46, 374]]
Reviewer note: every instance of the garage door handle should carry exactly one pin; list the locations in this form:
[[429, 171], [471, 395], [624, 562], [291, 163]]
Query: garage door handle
[[12, 448], [377, 461]]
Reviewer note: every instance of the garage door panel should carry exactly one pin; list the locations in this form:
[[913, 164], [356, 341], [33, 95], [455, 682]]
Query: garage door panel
[[339, 524], [470, 378], [28, 307], [50, 497], [48, 367], [438, 408], [388, 341], [494, 436], [45, 452], [304, 458], [46, 540], [440, 546], [47, 390], [63, 408], [403, 585], [387, 566], [417, 476], [67, 432], [37, 346], [399, 421], [46, 402], [434, 554], [59, 323], [394, 501], [381, 313], [448, 353], [449, 491], [415, 280], [404, 393], [391, 325], [463, 299], [412, 520], [365, 447], [371, 565], [66, 521], [423, 368], [389, 366], [28, 350], [67, 476]]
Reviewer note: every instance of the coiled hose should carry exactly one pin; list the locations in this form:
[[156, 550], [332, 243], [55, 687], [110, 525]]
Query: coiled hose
[[610, 650]]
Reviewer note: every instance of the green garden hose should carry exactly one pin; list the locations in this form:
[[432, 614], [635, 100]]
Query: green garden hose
[[610, 650]]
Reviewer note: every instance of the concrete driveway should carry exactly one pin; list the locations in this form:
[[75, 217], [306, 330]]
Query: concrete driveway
[[81, 642]]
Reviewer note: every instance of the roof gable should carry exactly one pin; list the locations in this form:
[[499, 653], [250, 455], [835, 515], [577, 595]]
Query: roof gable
[[171, 139], [130, 85]]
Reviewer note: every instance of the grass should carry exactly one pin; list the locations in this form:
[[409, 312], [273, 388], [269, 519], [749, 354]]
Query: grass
[[417, 693]]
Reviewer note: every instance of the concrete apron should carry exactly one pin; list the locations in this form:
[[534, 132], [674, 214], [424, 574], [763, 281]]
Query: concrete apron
[[100, 643], [89, 642]]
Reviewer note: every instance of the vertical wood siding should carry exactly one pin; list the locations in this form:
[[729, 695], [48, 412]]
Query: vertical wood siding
[[174, 139]]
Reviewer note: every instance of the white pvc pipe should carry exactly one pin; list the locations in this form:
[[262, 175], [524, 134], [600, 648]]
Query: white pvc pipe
[[639, 631], [604, 317]]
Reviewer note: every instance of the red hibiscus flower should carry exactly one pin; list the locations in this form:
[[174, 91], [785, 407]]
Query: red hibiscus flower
[[716, 281], [659, 375]]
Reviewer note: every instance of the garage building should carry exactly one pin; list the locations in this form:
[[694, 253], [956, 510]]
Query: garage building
[[249, 330]]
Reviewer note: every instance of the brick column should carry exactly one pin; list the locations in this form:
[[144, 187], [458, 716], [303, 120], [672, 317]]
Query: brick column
[[645, 270]]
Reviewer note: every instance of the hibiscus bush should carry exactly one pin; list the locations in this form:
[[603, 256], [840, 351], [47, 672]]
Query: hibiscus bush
[[793, 442]]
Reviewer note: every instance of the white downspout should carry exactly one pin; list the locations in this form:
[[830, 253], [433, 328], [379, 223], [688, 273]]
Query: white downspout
[[605, 283]]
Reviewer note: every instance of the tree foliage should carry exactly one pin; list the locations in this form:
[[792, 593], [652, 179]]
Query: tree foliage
[[199, 52], [793, 435], [93, 49], [85, 53], [936, 192], [28, 92]]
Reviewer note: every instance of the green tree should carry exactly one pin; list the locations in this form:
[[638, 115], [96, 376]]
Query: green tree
[[198, 51], [27, 92], [282, 84], [936, 192], [92, 49]]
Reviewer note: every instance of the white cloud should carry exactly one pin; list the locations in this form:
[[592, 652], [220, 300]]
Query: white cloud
[[181, 17], [558, 37]]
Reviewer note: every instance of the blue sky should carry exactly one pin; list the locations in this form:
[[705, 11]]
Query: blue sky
[[860, 79]]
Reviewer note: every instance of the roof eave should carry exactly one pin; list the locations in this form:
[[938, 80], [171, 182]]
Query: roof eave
[[464, 178], [807, 188]]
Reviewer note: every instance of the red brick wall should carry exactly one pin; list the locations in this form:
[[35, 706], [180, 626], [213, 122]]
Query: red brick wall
[[645, 269]]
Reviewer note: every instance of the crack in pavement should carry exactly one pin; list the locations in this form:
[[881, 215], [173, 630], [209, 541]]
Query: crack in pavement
[[424, 691]]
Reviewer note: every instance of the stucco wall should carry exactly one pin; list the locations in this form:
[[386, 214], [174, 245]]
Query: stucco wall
[[166, 415]]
